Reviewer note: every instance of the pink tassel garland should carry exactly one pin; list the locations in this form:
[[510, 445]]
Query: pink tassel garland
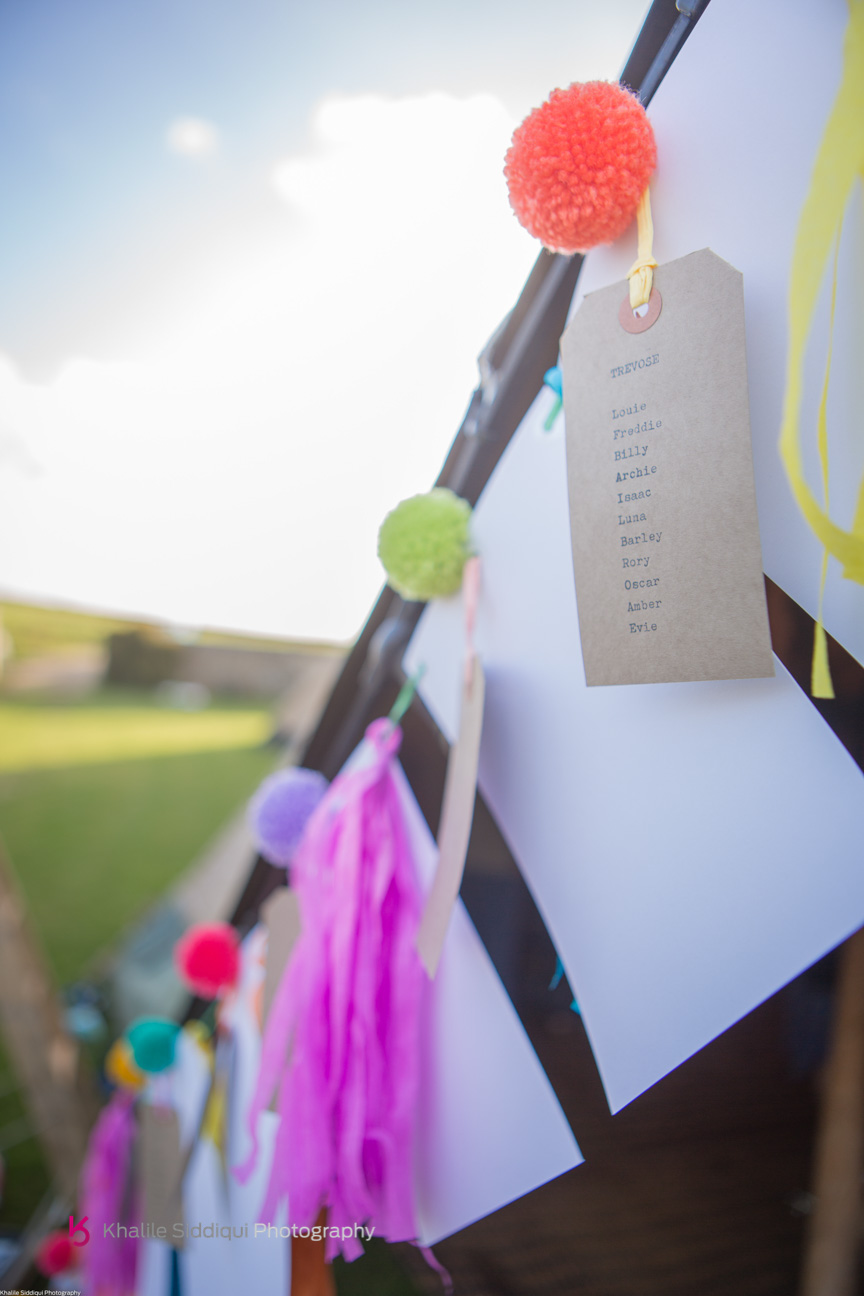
[[348, 1007], [109, 1263]]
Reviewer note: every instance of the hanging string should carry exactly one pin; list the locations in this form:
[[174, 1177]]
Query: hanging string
[[405, 696], [641, 273]]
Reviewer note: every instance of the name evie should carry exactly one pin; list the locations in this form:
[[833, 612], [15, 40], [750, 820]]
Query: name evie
[[620, 370]]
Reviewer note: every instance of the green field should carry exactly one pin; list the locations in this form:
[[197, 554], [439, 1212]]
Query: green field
[[103, 804], [118, 727]]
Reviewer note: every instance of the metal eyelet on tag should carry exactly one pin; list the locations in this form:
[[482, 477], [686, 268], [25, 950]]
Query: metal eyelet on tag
[[639, 323]]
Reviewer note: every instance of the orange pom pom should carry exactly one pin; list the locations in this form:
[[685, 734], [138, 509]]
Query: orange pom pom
[[579, 164], [208, 959]]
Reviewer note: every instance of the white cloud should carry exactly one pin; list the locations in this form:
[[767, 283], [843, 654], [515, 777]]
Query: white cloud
[[235, 471], [192, 137]]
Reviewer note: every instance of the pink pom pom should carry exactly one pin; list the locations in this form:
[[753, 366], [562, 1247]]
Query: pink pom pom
[[579, 164], [55, 1254], [207, 958]]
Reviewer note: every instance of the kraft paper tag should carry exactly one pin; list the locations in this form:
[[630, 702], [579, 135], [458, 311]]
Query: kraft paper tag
[[457, 814], [666, 551], [280, 914], [161, 1164]]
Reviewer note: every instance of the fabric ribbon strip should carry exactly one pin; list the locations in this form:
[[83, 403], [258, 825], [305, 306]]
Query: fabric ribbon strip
[[552, 379], [470, 596], [839, 161], [460, 786]]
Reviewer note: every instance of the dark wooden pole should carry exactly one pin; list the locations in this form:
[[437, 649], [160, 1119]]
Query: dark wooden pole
[[831, 1257]]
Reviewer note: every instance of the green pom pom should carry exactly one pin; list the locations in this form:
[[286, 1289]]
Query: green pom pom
[[423, 545], [153, 1041]]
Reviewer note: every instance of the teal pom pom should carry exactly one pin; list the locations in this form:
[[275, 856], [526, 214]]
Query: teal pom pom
[[153, 1041], [424, 544]]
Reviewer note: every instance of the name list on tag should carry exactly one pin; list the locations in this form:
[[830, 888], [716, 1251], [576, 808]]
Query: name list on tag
[[666, 552]]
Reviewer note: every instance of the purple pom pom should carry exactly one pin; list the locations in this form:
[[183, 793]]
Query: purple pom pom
[[280, 809]]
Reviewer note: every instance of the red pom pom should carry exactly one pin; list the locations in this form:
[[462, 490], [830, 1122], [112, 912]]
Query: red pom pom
[[55, 1254], [579, 164], [208, 959]]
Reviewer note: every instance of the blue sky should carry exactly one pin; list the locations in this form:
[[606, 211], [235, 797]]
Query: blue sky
[[163, 312]]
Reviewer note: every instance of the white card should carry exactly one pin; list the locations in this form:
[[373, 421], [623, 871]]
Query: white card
[[717, 111], [490, 1127], [691, 846]]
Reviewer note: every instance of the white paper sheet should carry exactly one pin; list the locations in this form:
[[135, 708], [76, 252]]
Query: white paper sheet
[[153, 1277], [217, 1265], [205, 1261], [490, 1127], [738, 120], [261, 1264], [482, 1143], [691, 846], [183, 1088]]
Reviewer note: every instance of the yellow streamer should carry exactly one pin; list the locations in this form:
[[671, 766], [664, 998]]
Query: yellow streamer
[[641, 273], [821, 684], [120, 1067], [855, 571], [214, 1123], [839, 161]]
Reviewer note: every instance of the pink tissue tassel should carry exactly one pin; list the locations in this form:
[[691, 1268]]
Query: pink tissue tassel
[[348, 1007], [109, 1263]]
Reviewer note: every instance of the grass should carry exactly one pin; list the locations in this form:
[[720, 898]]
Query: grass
[[95, 845], [104, 803], [117, 727], [26, 1176]]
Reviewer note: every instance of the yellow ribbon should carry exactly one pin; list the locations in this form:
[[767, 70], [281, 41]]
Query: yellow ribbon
[[821, 685], [120, 1066], [839, 161], [641, 273], [214, 1125]]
